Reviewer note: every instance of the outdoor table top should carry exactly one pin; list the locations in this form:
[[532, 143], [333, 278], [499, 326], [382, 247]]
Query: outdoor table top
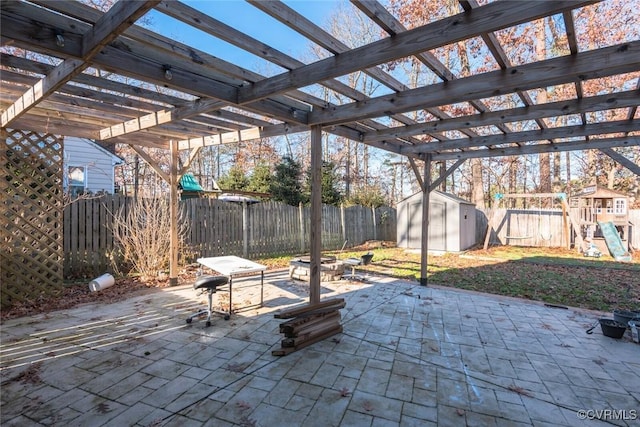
[[230, 265]]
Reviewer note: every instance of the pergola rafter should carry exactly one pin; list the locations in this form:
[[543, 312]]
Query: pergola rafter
[[142, 50]]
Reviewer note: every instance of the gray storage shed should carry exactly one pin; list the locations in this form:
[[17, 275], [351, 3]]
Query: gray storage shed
[[452, 222]]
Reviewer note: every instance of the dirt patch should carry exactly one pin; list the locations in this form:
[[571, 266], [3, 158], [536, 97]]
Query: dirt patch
[[78, 292]]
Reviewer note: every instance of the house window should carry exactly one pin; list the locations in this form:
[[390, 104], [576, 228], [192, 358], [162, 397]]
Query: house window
[[77, 180], [609, 206], [620, 206], [597, 206]]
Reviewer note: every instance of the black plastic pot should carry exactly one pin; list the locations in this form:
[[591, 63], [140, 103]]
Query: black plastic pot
[[611, 328]]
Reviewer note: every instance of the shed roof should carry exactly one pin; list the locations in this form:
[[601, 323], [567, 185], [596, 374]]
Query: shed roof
[[442, 195], [99, 75]]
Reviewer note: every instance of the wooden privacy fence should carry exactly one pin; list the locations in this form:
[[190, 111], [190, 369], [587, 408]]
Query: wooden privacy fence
[[221, 228], [539, 228], [530, 227]]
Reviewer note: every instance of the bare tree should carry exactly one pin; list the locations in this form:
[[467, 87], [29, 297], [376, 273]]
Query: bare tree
[[142, 231]]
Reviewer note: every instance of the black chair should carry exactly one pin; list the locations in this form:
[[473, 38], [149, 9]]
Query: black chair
[[355, 262], [210, 284]]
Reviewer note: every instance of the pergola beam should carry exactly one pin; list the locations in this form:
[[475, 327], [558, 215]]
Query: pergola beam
[[381, 16], [147, 158], [633, 167], [159, 117], [492, 17], [446, 174], [125, 56], [241, 135], [120, 17], [623, 58], [585, 144], [559, 108], [534, 135]]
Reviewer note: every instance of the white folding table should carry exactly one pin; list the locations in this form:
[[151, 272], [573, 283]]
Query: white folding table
[[231, 266]]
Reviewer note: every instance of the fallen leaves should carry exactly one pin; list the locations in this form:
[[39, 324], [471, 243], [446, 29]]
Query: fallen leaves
[[31, 375], [519, 390], [103, 408], [243, 405], [237, 367], [345, 392]]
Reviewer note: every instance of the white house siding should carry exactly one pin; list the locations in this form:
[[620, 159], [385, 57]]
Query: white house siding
[[98, 163]]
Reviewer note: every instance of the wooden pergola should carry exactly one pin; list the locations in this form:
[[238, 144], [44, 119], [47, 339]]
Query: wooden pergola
[[214, 102]]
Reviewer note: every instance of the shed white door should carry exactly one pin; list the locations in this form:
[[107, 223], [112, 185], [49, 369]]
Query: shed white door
[[437, 226]]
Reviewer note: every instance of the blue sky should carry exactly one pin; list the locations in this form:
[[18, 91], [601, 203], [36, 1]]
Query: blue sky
[[248, 19]]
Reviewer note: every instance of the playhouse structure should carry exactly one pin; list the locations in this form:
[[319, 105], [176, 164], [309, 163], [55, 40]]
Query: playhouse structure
[[603, 219]]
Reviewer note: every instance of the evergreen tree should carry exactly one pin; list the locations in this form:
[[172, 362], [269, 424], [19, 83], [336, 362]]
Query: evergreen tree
[[331, 195], [285, 186], [234, 180], [260, 180]]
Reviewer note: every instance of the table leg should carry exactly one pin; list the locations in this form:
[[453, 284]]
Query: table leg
[[230, 295], [262, 289]]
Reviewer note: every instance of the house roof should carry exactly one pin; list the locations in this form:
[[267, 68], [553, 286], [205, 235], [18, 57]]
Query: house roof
[[597, 191], [209, 101], [116, 159]]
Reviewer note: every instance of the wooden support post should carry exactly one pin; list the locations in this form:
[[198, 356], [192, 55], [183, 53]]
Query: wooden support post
[[173, 214], [316, 214], [424, 252], [575, 224]]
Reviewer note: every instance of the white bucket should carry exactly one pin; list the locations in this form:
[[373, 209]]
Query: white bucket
[[102, 282], [635, 330]]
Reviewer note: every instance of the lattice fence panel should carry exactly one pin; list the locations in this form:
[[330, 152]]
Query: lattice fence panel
[[31, 265]]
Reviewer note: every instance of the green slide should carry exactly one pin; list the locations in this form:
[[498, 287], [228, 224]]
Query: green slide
[[614, 243]]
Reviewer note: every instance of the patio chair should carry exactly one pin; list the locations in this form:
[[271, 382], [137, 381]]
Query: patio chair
[[210, 285], [355, 262]]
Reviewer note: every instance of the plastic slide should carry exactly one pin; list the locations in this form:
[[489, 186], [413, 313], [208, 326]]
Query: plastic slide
[[614, 243]]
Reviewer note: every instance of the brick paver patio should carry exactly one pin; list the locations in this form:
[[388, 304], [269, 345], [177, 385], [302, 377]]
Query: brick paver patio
[[409, 356]]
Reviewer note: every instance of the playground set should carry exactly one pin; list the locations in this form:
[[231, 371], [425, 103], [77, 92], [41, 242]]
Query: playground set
[[595, 221], [603, 216]]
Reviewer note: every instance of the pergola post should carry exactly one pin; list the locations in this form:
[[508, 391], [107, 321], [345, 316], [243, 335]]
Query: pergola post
[[173, 213], [316, 214], [426, 190]]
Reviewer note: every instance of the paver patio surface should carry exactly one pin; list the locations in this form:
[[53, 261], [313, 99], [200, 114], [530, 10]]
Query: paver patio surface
[[408, 356]]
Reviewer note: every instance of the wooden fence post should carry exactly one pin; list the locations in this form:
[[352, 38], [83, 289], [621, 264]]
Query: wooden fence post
[[245, 230], [375, 225], [342, 223], [301, 222]]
